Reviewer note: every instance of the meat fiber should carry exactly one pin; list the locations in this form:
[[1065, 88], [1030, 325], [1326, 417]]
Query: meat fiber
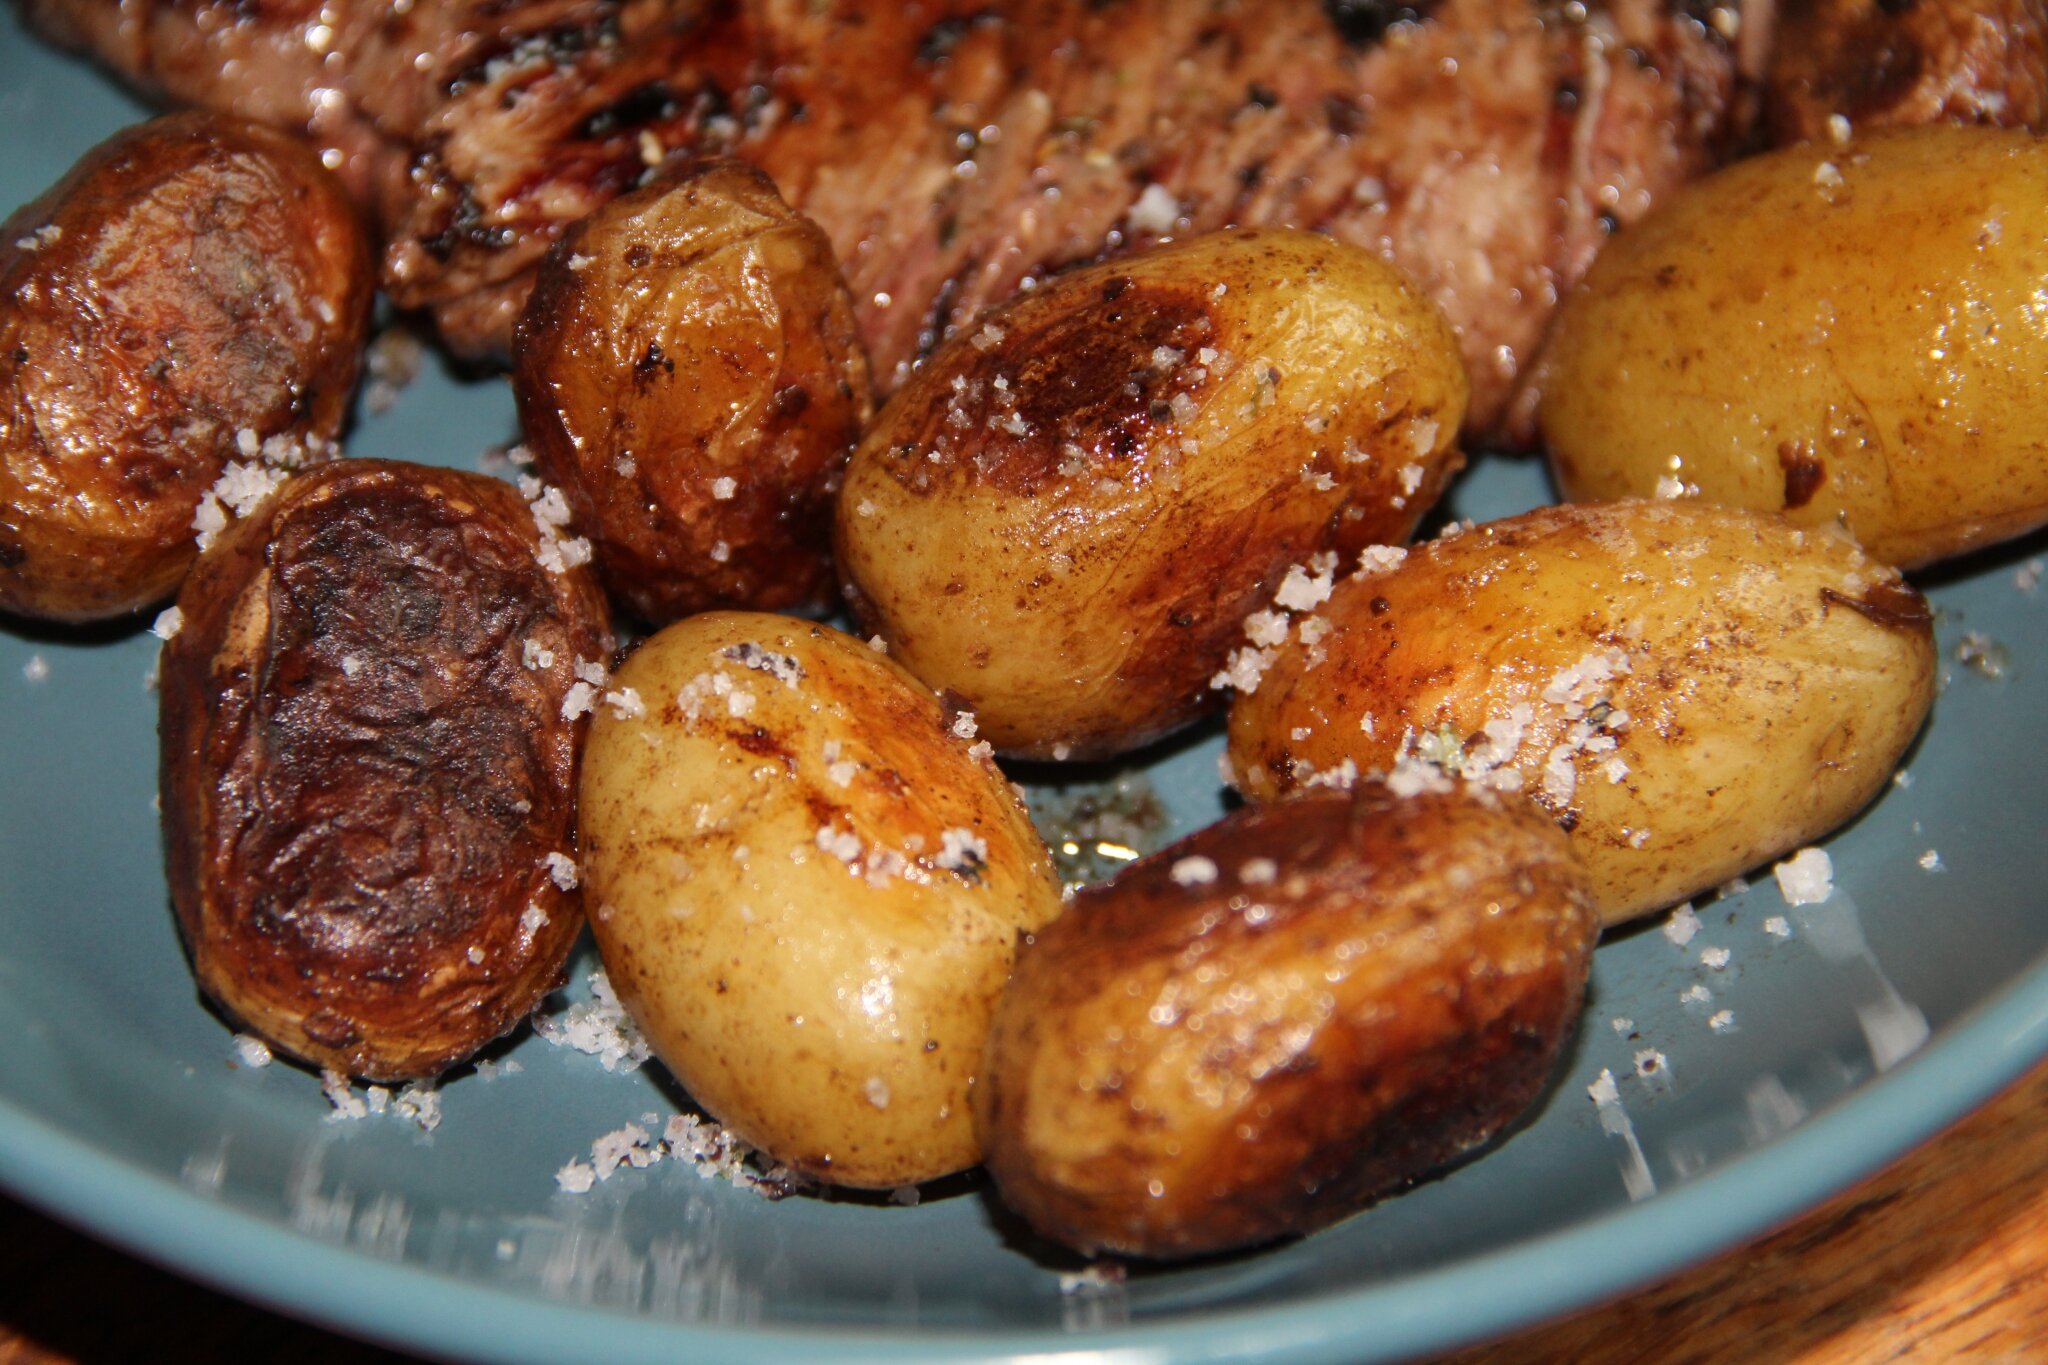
[[956, 150]]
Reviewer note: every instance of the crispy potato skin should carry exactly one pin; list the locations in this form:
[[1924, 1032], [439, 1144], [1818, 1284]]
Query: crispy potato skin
[[1842, 333], [1063, 517], [362, 776], [192, 278], [1689, 690], [767, 861], [1183, 1066], [695, 332]]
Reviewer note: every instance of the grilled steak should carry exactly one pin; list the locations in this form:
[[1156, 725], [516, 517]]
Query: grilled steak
[[1884, 62], [958, 149]]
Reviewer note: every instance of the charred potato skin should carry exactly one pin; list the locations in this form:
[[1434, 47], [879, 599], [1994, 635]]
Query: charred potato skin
[[1765, 682], [694, 331], [1841, 333], [767, 872], [1050, 524], [1186, 1067], [362, 777], [190, 279]]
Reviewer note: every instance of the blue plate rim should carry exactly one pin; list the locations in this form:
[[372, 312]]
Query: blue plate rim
[[416, 1308]]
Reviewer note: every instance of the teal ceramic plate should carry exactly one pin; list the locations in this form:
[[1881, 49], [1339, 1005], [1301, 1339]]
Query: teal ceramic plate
[[1882, 1015]]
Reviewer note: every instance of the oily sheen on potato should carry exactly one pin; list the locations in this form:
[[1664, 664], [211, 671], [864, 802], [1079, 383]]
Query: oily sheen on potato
[[194, 292], [807, 883], [369, 772], [1847, 333], [1261, 1029], [1689, 690], [689, 375], [1064, 514]]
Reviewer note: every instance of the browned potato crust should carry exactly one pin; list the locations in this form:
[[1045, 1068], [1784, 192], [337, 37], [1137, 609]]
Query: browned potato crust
[[1689, 690], [195, 287], [1283, 1017], [689, 374], [368, 761], [1063, 517]]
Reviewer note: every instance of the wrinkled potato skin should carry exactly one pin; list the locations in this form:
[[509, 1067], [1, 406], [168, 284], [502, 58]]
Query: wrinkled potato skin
[[696, 330], [827, 1008], [1078, 580], [1870, 352], [362, 779], [1773, 679], [1179, 1069], [191, 278]]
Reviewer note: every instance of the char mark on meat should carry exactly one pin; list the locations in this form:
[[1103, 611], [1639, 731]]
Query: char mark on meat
[[958, 153]]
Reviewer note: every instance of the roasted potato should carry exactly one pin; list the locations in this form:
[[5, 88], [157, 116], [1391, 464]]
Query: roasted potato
[[1064, 514], [689, 374], [807, 887], [1689, 690], [370, 728], [194, 292], [1283, 1017], [1846, 334]]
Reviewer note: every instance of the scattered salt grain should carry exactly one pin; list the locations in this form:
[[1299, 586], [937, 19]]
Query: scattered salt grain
[[1156, 211], [1194, 870], [1722, 1021], [1777, 926], [599, 1027], [963, 726], [251, 1050], [1715, 958], [1930, 861], [876, 1091], [37, 669], [168, 623], [724, 489], [625, 704], [1622, 1025], [577, 1177], [1379, 559], [579, 700], [1682, 925], [1806, 878], [2027, 577], [1649, 1062], [562, 870], [1695, 995]]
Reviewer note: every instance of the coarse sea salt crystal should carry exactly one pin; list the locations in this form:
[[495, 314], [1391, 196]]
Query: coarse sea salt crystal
[[1806, 878], [1194, 870], [1682, 925]]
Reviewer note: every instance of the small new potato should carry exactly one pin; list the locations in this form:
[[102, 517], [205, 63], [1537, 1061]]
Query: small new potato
[[807, 887], [1283, 1017], [690, 376], [369, 771], [196, 290], [1847, 333], [1689, 690], [1064, 515]]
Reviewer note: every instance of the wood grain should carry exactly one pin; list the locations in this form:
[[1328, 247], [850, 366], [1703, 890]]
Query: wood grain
[[1942, 1257]]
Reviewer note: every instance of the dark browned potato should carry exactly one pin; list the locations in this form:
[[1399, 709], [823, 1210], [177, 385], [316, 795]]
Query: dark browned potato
[[689, 375], [194, 292], [370, 732], [1283, 1017]]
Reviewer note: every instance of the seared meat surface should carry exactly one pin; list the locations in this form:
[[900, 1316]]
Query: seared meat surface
[[1891, 62], [956, 149]]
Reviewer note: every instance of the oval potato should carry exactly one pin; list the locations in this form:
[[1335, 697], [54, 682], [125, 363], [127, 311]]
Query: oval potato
[[1689, 690], [1258, 1031], [1842, 333], [689, 375], [369, 775], [1062, 517], [807, 889], [195, 291]]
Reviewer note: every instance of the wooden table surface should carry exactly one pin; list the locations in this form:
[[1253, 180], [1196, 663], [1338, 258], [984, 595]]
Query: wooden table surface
[[1942, 1257]]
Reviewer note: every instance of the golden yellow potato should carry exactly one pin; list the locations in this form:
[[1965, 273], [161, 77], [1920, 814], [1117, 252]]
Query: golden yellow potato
[[807, 886], [1848, 333], [1265, 1027], [1689, 690], [1062, 517]]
